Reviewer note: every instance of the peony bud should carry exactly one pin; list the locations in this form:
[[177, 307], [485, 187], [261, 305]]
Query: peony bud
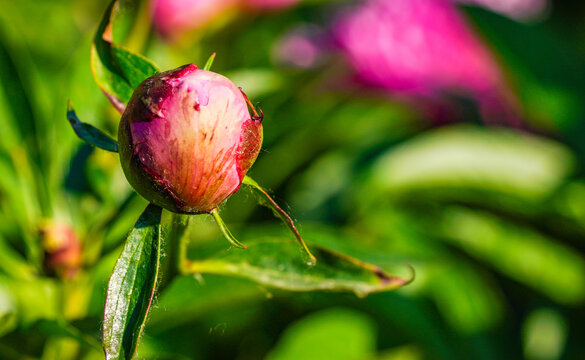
[[187, 139], [62, 249]]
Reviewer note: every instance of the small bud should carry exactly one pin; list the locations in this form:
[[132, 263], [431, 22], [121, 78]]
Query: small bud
[[62, 249], [187, 139]]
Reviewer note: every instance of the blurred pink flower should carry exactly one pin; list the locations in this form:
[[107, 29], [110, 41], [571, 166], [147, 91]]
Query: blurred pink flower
[[424, 49], [173, 18], [268, 4], [302, 47], [516, 9], [416, 47]]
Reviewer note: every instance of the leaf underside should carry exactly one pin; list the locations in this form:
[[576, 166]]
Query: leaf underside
[[90, 134], [275, 262]]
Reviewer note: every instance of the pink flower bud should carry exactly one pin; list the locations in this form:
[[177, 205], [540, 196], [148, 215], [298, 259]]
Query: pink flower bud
[[172, 18], [418, 47], [187, 139], [62, 249]]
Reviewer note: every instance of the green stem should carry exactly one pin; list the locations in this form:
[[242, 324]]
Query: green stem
[[176, 248]]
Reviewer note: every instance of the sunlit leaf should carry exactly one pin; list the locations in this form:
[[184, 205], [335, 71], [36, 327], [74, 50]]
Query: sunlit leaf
[[544, 334], [132, 285], [468, 302], [34, 299], [117, 70], [276, 262], [500, 161], [519, 252], [12, 263], [8, 311], [257, 82], [334, 334]]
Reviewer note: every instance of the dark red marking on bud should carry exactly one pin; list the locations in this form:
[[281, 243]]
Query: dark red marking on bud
[[165, 185]]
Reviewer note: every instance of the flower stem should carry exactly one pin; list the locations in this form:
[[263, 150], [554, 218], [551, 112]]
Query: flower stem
[[176, 248]]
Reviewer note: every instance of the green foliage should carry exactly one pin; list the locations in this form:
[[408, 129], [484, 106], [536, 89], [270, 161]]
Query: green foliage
[[90, 134], [132, 285], [275, 262], [491, 219], [117, 70], [266, 200], [329, 334]]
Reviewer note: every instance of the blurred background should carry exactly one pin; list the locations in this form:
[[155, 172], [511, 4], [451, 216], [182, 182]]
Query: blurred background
[[444, 134]]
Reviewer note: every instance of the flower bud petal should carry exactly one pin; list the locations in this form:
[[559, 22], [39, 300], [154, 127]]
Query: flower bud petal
[[187, 139]]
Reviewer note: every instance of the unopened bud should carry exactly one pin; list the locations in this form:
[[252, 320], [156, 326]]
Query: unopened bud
[[187, 139]]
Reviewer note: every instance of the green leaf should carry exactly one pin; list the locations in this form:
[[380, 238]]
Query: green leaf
[[334, 334], [32, 299], [12, 263], [117, 70], [8, 311], [275, 262], [188, 299], [497, 161], [517, 251], [132, 285], [90, 134]]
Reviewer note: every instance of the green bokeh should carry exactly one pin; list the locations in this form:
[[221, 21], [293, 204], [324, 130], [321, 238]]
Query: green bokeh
[[491, 218]]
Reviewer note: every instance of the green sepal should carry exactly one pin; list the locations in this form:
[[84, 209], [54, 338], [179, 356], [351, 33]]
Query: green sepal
[[226, 231], [90, 134], [266, 200], [209, 62]]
